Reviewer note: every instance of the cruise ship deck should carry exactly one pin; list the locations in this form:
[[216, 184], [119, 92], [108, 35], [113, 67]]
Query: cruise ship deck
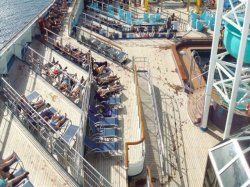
[[185, 146]]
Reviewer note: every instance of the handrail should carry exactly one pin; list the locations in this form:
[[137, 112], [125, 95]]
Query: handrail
[[140, 119], [99, 38], [149, 177], [87, 169], [199, 75], [25, 27]]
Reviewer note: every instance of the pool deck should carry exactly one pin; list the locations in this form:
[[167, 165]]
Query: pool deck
[[186, 144]]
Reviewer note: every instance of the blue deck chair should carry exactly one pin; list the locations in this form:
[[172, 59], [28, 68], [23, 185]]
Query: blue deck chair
[[25, 183], [113, 100], [103, 132], [146, 17], [107, 111], [121, 13], [101, 147], [32, 96], [70, 133], [199, 26], [157, 17], [139, 22], [152, 19], [104, 121]]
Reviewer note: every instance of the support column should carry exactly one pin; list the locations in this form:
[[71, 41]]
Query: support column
[[212, 64], [241, 54]]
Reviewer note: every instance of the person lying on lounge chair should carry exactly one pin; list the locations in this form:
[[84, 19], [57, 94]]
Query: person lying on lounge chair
[[7, 162], [99, 70], [56, 121], [77, 89], [106, 80], [35, 105], [4, 176], [112, 89], [65, 85]]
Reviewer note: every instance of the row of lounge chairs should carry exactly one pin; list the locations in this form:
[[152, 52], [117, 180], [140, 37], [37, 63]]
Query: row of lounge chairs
[[39, 123], [103, 118], [105, 49], [56, 15]]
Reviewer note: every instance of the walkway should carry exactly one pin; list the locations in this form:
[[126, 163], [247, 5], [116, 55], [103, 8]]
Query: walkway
[[152, 159]]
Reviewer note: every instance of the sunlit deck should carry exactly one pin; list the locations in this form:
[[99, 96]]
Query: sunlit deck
[[187, 147]]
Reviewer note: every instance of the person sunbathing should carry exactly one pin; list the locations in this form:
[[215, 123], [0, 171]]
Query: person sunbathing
[[35, 105], [65, 85], [112, 89], [99, 70], [77, 89], [7, 162], [54, 72], [56, 121], [106, 80], [8, 180]]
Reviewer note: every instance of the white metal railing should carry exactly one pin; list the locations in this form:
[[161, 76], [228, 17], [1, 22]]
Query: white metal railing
[[37, 62], [52, 140], [161, 147]]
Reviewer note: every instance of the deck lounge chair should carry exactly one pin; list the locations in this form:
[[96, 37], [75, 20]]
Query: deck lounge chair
[[112, 100], [32, 96], [101, 147], [107, 111], [103, 122], [70, 133], [103, 132], [25, 183]]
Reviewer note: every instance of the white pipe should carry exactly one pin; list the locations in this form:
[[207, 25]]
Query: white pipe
[[243, 42], [212, 63]]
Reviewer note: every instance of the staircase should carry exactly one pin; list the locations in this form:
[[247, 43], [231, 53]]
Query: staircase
[[196, 104]]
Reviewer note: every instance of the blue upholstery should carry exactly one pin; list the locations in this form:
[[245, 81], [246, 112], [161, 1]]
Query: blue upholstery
[[146, 16], [158, 17], [103, 147], [103, 132]]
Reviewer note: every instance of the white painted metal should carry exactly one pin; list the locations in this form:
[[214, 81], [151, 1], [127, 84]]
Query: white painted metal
[[244, 34], [212, 63], [229, 72]]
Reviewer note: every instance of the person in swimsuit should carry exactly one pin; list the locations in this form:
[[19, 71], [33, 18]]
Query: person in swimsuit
[[106, 80], [112, 89], [77, 89], [65, 84], [56, 121]]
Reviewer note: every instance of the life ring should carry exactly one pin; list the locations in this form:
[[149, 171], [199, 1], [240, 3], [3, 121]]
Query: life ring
[[247, 108]]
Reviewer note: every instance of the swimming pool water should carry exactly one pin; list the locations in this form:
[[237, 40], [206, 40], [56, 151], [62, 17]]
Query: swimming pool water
[[15, 14]]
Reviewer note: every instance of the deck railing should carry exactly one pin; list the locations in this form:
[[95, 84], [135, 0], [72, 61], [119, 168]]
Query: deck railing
[[149, 178], [87, 34], [141, 122], [37, 62], [52, 141]]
